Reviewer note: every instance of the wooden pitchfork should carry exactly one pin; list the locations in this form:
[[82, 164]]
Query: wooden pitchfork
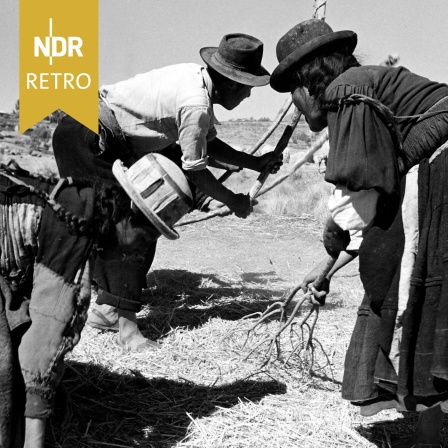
[[270, 346]]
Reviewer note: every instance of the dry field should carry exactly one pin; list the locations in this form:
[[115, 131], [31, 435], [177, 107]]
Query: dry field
[[201, 390]]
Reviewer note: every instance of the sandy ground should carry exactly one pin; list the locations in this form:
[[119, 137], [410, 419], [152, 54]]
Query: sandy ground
[[261, 250]]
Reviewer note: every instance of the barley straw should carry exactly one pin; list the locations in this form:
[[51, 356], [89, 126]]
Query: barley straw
[[199, 391]]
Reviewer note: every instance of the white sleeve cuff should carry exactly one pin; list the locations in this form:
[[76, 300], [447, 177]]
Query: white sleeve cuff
[[352, 210], [355, 240], [194, 165]]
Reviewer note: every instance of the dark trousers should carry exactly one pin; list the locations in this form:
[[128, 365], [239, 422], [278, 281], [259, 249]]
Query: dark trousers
[[77, 153], [120, 281]]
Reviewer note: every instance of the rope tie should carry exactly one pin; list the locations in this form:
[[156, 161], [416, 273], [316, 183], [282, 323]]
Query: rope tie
[[382, 110], [390, 119], [74, 224]]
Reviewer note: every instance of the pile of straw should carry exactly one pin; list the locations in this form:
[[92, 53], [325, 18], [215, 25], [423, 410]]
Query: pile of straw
[[200, 391]]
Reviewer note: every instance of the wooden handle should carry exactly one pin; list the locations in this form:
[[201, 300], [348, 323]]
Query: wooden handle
[[222, 211], [277, 120], [280, 147], [308, 157]]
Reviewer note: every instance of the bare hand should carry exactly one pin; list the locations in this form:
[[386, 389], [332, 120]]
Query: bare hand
[[241, 205], [317, 297], [270, 160]]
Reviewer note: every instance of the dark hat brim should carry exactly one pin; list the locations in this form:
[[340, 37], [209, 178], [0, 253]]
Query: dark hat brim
[[280, 78], [258, 78]]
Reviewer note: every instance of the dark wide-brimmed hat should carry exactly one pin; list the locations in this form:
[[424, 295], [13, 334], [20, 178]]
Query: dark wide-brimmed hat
[[303, 41], [238, 58]]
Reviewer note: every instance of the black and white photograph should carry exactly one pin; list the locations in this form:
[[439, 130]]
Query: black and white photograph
[[250, 250]]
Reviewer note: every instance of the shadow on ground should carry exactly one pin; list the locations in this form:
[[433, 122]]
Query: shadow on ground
[[179, 298], [384, 434], [380, 433], [130, 410], [199, 286]]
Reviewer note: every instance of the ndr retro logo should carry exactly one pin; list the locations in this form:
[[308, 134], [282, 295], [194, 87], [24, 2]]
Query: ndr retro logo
[[56, 47]]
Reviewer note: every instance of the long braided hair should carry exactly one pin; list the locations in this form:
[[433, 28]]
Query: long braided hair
[[111, 203]]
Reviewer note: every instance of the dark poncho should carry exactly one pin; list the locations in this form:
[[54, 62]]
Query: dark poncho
[[362, 152], [30, 233]]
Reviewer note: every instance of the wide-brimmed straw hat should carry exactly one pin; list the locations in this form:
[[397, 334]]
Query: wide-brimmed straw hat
[[238, 58], [158, 187], [304, 40]]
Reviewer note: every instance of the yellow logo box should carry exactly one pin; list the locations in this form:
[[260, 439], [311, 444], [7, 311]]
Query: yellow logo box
[[58, 60]]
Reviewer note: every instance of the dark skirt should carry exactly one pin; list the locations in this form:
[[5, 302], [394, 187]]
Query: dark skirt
[[370, 379]]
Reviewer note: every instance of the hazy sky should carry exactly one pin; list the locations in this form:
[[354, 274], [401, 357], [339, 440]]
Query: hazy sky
[[139, 35]]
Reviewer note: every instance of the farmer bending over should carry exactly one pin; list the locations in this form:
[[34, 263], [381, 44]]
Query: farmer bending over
[[382, 121], [170, 111], [51, 234]]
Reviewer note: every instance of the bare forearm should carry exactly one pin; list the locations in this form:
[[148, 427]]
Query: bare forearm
[[221, 165], [206, 182], [221, 151], [343, 259]]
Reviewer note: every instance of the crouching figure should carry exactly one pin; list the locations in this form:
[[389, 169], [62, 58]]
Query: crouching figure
[[50, 233]]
